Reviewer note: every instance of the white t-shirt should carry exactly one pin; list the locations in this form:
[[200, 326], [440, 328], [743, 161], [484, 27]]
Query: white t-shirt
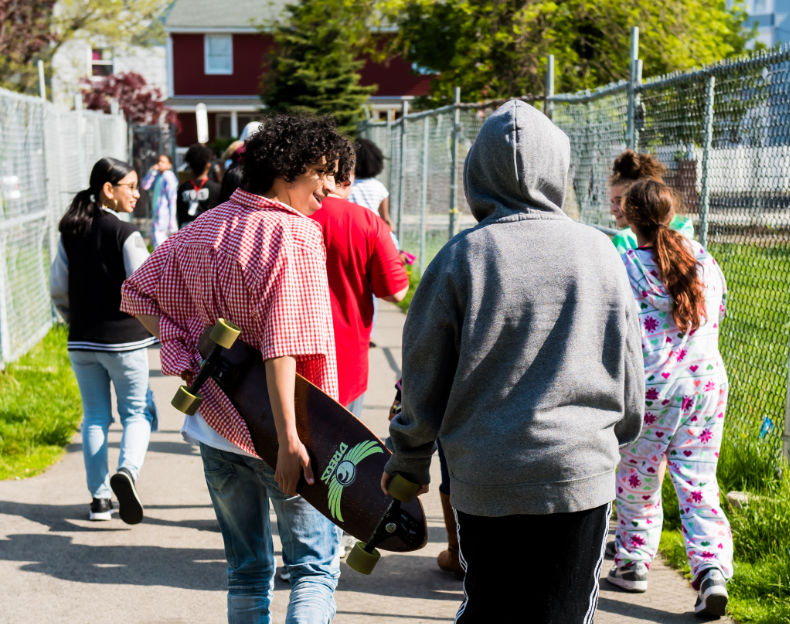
[[368, 192]]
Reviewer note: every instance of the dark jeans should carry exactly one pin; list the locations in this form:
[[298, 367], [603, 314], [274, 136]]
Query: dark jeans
[[536, 569]]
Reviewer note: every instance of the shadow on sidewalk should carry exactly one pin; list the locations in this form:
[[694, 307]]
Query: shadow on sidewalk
[[57, 556], [629, 608], [408, 575]]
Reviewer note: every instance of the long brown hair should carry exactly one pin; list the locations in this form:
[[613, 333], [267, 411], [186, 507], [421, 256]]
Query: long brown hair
[[649, 207]]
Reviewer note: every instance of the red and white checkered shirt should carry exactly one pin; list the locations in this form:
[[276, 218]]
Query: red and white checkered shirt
[[257, 263]]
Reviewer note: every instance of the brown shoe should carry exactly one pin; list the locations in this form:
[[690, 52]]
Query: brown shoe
[[448, 559]]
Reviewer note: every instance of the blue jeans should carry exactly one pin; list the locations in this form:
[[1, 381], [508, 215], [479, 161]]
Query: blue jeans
[[355, 407], [241, 488], [128, 372]]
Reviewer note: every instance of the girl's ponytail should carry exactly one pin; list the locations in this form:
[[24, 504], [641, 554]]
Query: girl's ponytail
[[649, 207], [680, 273], [79, 217]]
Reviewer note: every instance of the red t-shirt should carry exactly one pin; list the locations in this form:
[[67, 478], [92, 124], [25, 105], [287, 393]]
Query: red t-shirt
[[361, 261]]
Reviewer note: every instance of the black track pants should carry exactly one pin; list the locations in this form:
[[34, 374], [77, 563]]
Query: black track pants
[[535, 569]]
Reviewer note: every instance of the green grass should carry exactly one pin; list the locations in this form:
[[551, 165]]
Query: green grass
[[754, 343], [760, 588], [40, 408], [414, 279], [755, 338]]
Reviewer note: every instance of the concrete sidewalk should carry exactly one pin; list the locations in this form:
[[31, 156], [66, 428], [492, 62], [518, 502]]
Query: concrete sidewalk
[[56, 566]]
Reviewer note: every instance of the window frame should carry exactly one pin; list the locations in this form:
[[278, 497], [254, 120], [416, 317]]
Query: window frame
[[214, 71]]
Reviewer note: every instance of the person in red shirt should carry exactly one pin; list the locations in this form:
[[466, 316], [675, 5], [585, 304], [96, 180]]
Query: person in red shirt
[[362, 262], [258, 260]]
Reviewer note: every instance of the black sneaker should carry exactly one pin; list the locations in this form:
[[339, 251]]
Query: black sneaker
[[129, 506], [611, 550], [101, 509], [712, 597], [631, 578]]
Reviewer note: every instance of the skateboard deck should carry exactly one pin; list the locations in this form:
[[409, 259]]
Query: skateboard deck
[[347, 458]]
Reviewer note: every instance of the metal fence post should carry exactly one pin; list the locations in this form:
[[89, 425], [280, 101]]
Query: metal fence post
[[424, 190], [631, 122], [704, 199], [404, 113], [638, 104], [548, 104], [454, 160]]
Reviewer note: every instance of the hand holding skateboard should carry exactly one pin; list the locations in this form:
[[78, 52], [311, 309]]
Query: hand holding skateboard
[[345, 458]]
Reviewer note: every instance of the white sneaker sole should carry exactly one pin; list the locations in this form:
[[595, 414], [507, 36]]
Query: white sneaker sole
[[100, 515], [627, 585]]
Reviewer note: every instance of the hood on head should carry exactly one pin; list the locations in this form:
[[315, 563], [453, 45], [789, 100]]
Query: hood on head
[[518, 164]]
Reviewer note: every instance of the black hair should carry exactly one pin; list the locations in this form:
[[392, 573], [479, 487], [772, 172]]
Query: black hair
[[285, 146], [197, 157], [86, 205], [345, 163], [233, 179], [370, 160]]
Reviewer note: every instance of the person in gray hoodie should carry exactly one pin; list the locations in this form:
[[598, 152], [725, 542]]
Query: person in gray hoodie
[[522, 354]]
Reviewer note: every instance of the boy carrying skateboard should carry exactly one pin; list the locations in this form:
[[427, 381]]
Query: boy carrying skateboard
[[259, 260]]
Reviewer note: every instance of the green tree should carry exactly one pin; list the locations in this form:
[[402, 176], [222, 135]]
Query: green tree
[[35, 30], [498, 48], [314, 65]]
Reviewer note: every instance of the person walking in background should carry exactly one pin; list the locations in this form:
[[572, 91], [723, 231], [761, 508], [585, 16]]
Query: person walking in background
[[629, 167], [367, 190], [259, 261], [199, 194], [163, 202], [96, 253], [362, 264], [521, 354], [680, 292]]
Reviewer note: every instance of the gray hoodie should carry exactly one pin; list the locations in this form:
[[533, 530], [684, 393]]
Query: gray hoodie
[[521, 349]]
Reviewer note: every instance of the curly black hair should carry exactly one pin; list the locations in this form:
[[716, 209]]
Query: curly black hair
[[286, 145], [370, 160], [345, 164]]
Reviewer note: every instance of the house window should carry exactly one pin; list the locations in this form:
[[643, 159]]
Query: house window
[[101, 62], [218, 54]]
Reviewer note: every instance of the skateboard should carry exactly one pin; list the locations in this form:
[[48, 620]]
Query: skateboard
[[347, 458]]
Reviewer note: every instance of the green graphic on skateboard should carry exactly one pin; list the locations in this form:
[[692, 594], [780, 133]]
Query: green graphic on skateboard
[[348, 456]]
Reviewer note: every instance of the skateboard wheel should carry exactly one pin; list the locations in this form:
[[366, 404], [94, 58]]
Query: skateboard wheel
[[401, 489], [361, 560], [185, 401], [224, 333]]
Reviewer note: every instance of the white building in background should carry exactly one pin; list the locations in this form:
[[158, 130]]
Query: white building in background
[[77, 59], [772, 18]]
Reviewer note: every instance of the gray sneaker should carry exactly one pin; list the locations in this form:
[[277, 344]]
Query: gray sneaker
[[712, 598], [632, 578]]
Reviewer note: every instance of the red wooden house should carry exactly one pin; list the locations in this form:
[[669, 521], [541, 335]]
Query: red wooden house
[[214, 56]]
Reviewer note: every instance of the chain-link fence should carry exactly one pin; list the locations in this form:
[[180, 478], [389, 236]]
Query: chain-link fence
[[723, 132], [46, 154]]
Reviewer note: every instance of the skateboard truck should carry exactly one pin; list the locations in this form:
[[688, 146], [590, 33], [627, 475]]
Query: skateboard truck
[[187, 399], [364, 556]]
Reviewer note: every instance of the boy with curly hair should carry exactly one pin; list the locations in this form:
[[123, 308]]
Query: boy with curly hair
[[259, 261]]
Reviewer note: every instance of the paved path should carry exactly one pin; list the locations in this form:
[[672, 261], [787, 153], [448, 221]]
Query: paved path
[[56, 566]]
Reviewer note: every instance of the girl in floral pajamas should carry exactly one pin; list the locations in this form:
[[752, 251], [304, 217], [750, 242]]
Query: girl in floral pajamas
[[680, 292]]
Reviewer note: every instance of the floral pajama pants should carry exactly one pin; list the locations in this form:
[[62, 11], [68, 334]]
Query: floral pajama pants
[[687, 428]]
